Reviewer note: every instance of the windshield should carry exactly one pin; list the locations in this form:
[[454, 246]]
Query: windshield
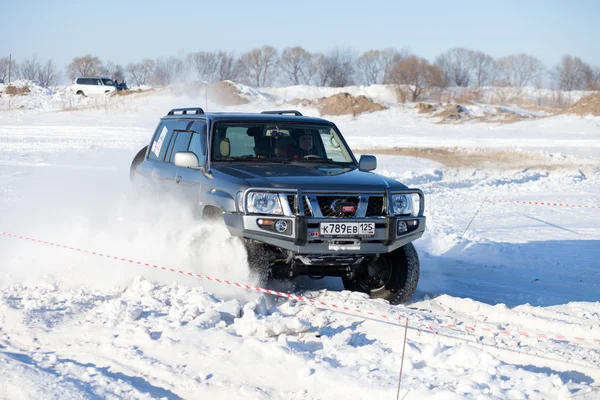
[[278, 142], [108, 82]]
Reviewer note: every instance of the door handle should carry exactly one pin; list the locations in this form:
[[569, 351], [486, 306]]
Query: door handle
[[177, 179]]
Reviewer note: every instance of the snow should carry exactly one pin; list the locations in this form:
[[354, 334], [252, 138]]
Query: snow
[[75, 326]]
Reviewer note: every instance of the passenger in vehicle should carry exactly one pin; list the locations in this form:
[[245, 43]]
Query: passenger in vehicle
[[285, 146]]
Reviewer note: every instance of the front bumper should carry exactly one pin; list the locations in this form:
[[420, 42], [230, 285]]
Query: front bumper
[[303, 233], [305, 237]]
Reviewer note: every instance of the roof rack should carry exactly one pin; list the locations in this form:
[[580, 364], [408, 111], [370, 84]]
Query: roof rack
[[283, 112], [186, 111]]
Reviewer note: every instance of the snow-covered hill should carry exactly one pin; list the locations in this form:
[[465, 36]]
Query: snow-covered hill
[[74, 325]]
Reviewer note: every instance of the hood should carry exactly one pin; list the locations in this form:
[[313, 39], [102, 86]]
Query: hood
[[308, 176]]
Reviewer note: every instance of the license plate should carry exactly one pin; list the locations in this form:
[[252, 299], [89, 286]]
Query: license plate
[[347, 229]]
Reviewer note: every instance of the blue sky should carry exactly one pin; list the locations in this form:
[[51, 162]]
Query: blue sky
[[124, 31]]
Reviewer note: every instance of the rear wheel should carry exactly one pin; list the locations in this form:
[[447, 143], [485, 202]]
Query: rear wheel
[[393, 276], [79, 92]]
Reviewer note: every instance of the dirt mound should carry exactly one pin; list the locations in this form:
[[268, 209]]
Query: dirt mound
[[452, 111], [345, 103], [17, 90], [301, 102], [425, 108], [226, 93], [586, 106]]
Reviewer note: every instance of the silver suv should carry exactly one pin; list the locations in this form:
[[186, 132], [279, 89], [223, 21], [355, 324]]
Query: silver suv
[[290, 187]]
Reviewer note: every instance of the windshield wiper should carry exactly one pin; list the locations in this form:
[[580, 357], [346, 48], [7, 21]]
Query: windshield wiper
[[251, 159], [320, 161]]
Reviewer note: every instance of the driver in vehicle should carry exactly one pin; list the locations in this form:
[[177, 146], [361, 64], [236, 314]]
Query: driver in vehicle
[[305, 142]]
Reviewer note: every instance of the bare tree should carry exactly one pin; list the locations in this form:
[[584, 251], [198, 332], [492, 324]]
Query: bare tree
[[113, 71], [87, 65], [322, 73], [391, 57], [256, 67], [457, 66], [205, 64], [4, 67], [591, 78], [140, 72], [298, 65], [484, 67], [48, 74], [518, 70], [227, 67], [570, 73], [416, 75], [336, 68], [371, 66], [167, 70], [29, 69]]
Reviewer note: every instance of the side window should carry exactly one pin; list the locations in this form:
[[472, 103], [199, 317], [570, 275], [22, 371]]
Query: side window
[[181, 143], [198, 146], [79, 81], [160, 143], [98, 82], [332, 147]]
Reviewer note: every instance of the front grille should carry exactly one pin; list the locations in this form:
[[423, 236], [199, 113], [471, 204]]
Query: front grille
[[294, 206], [326, 203], [375, 207]]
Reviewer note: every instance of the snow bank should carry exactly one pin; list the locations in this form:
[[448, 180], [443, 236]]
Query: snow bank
[[75, 326]]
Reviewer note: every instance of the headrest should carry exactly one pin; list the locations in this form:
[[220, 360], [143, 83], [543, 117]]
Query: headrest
[[254, 131], [225, 147]]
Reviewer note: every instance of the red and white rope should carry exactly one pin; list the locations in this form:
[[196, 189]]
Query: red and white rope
[[399, 320]]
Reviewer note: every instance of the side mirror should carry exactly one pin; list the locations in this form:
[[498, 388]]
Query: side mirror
[[367, 163], [186, 159]]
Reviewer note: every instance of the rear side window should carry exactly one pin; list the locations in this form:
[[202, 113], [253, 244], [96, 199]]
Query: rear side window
[[182, 142], [160, 143]]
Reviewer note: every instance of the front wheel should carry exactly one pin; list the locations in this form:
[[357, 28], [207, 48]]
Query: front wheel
[[393, 276], [258, 262]]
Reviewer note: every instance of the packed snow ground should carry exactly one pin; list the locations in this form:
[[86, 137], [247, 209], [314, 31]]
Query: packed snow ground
[[78, 326]]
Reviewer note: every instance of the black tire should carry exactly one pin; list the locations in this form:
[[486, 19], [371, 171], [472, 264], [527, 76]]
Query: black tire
[[258, 262], [79, 92], [399, 276], [137, 160]]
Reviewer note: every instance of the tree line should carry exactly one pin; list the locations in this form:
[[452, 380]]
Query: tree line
[[339, 67]]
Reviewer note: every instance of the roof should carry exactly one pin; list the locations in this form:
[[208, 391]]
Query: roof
[[234, 116]]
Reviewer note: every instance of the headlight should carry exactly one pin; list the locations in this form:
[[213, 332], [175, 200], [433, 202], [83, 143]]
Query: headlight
[[402, 204], [240, 201], [264, 203]]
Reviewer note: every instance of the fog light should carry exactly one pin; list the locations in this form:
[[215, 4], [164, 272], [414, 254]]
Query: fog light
[[402, 227], [281, 226]]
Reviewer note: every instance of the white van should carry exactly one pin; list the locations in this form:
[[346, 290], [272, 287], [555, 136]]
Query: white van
[[94, 86]]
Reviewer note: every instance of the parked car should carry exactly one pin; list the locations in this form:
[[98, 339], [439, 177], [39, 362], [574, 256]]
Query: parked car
[[291, 189], [121, 85], [94, 86]]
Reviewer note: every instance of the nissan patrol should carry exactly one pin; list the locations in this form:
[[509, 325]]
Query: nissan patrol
[[289, 187]]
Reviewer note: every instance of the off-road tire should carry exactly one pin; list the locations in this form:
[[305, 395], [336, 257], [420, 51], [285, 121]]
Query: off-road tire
[[258, 261], [402, 283], [137, 160]]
